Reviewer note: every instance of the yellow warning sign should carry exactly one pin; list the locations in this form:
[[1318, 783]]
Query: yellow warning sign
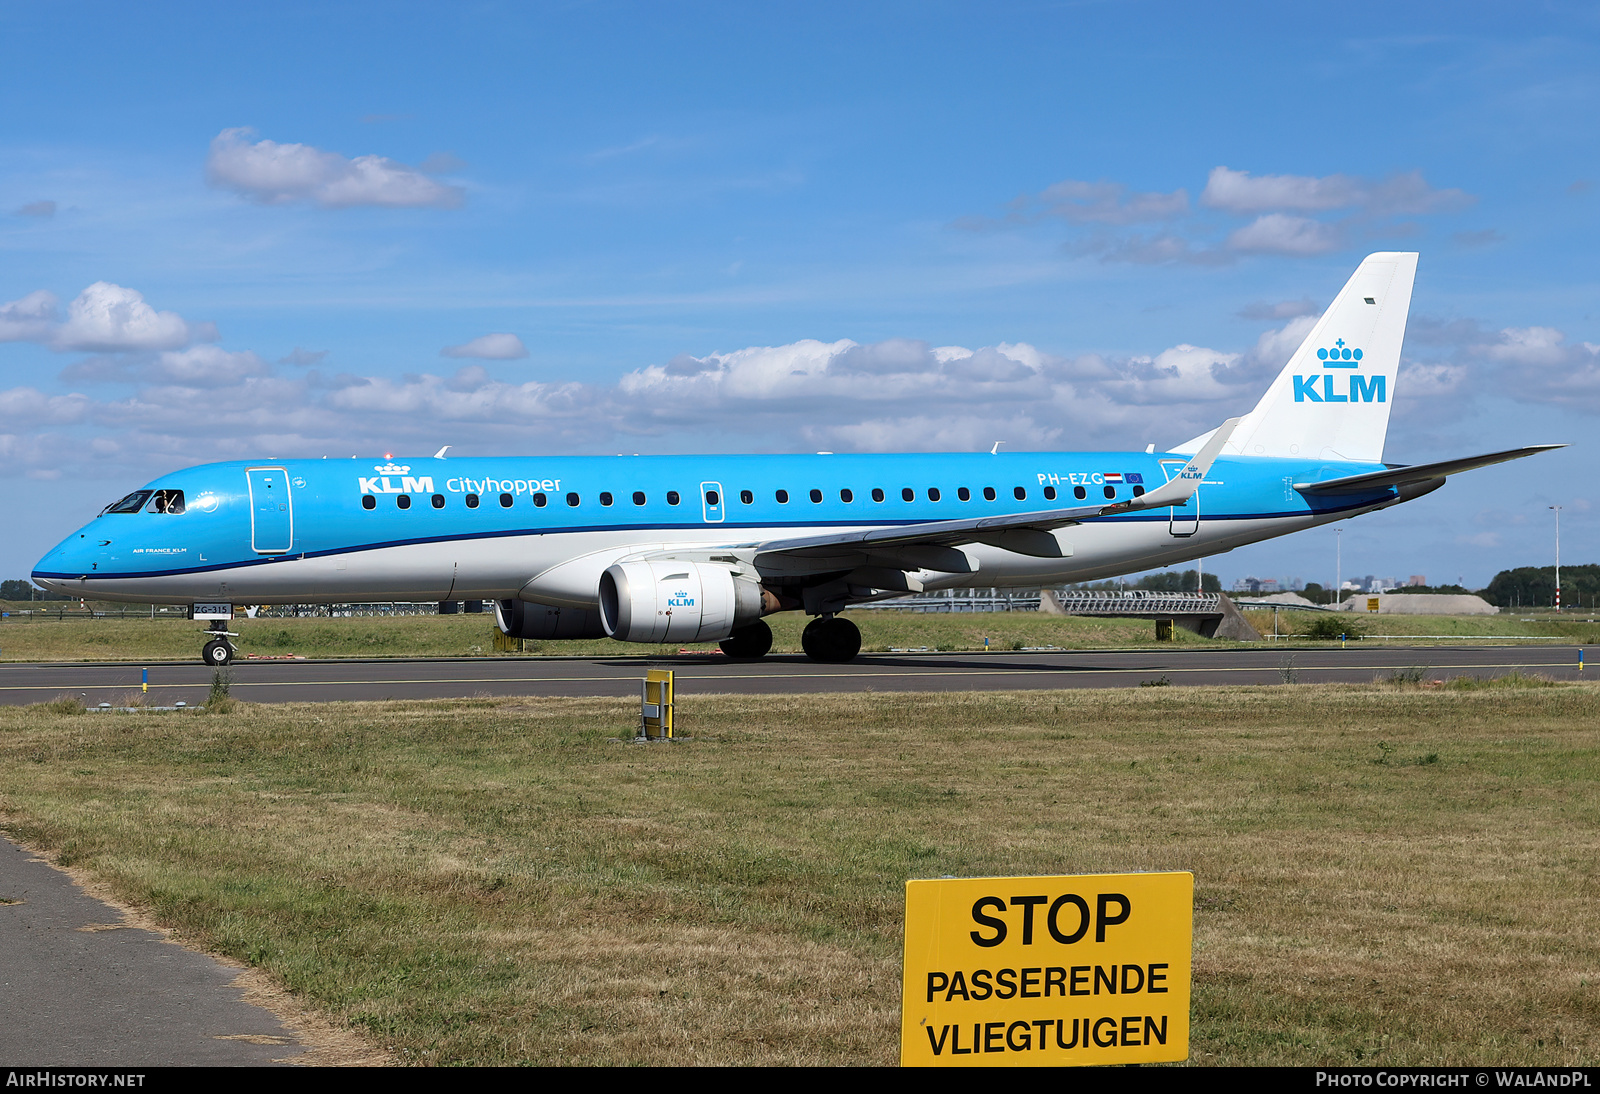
[[1087, 969]]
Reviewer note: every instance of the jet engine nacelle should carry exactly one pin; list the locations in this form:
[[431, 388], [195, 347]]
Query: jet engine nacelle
[[655, 601], [525, 619]]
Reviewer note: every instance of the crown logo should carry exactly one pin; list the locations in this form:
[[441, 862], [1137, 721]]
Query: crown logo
[[1337, 356], [391, 469]]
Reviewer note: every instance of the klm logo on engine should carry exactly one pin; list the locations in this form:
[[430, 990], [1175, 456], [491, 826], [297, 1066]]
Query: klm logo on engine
[[680, 599], [1323, 387]]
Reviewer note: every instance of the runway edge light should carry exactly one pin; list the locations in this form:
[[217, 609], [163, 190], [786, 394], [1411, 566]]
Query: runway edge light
[[1047, 971]]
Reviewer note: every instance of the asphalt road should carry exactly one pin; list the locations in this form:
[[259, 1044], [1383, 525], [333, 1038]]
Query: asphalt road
[[322, 681], [78, 988]]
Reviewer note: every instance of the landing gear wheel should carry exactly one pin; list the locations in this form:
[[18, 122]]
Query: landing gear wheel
[[748, 643], [832, 640], [217, 653]]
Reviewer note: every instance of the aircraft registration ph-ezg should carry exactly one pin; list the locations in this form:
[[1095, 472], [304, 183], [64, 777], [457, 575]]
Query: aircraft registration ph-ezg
[[700, 548]]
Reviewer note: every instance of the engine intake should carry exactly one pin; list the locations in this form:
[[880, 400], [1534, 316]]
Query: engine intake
[[525, 619], [653, 601]]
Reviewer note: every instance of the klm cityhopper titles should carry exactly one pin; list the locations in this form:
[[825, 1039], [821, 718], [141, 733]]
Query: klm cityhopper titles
[[700, 548]]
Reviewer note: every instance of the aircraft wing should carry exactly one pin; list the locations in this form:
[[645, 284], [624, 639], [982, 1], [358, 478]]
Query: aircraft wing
[[1400, 474], [1024, 533]]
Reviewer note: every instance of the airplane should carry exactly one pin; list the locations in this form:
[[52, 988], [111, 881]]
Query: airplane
[[682, 549]]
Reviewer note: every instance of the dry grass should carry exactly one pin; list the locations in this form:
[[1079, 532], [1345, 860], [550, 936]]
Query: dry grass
[[473, 635], [1384, 874]]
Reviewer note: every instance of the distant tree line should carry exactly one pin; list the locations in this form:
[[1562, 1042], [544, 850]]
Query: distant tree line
[[1535, 587], [24, 590]]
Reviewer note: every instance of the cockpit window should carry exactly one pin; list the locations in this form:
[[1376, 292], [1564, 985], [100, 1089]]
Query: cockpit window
[[130, 504], [167, 501]]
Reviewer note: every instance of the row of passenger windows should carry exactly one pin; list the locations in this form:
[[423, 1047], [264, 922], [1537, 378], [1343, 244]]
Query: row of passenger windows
[[746, 497]]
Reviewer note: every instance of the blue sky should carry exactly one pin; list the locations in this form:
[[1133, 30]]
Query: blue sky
[[297, 230]]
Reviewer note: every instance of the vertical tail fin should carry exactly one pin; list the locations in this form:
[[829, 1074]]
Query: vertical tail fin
[[1332, 399]]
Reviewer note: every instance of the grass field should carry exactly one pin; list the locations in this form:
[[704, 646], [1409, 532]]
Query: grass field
[[473, 635], [1384, 874]]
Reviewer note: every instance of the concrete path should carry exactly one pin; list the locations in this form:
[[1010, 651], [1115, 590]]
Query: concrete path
[[79, 989]]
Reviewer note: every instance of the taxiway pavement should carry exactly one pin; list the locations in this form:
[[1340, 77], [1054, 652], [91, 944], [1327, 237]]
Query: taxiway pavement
[[267, 681]]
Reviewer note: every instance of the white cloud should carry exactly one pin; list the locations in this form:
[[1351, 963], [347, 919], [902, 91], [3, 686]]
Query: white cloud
[[1109, 203], [206, 366], [1238, 192], [1278, 233], [29, 404], [490, 347], [277, 174], [109, 318], [28, 319], [1241, 193], [1531, 346], [303, 357], [1283, 309], [1103, 210]]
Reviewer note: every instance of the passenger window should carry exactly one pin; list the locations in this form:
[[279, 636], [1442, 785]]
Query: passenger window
[[747, 497], [907, 494], [1021, 494], [438, 501], [540, 500], [1079, 492], [1111, 491], [988, 493], [816, 496], [403, 501], [712, 498], [782, 496], [933, 493], [1138, 491], [505, 501], [672, 497], [368, 501], [167, 501], [846, 496], [572, 500], [638, 497], [964, 494], [605, 497], [1049, 493], [472, 501], [877, 494]]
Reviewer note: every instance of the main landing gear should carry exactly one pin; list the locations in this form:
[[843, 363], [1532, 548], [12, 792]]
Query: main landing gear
[[749, 643], [831, 640], [219, 651]]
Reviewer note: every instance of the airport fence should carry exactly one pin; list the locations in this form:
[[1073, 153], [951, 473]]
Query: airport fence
[[64, 613]]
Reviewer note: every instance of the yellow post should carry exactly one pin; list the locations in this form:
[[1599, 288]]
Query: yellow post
[[655, 713]]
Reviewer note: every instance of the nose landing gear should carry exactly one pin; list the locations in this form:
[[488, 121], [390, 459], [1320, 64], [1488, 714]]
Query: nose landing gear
[[219, 651]]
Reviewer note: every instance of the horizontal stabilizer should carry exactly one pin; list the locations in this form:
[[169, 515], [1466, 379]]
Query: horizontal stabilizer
[[1400, 475]]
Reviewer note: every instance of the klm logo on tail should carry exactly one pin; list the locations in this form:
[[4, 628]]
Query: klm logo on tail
[[1319, 387]]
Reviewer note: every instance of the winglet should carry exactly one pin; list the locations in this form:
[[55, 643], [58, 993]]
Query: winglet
[[1182, 486]]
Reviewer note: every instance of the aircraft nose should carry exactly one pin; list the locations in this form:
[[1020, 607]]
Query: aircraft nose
[[64, 563]]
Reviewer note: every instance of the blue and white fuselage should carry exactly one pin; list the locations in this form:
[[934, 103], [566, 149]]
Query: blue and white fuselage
[[309, 531], [699, 548]]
